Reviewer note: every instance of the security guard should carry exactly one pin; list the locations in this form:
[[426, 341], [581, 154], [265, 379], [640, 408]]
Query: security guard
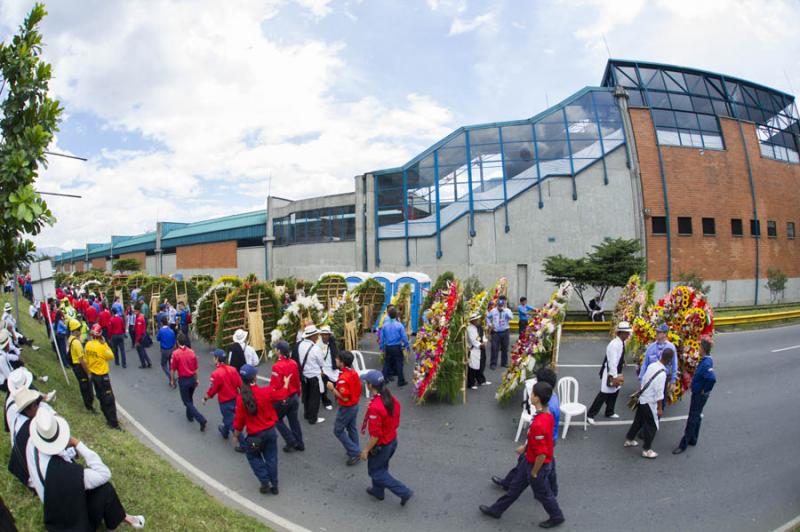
[[393, 340], [382, 419], [79, 366], [98, 353]]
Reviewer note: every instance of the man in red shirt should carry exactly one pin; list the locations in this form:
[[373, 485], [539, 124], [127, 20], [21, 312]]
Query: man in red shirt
[[104, 319], [347, 392], [184, 367], [287, 404], [225, 384], [116, 329], [534, 466], [139, 331], [90, 313]]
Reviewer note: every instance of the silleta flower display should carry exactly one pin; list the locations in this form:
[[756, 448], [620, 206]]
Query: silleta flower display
[[430, 346]]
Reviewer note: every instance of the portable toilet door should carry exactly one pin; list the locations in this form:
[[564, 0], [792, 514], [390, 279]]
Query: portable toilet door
[[387, 279], [354, 279], [418, 282]]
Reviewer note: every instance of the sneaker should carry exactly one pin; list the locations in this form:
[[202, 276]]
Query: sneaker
[[328, 407], [50, 396], [678, 450], [203, 426], [590, 420], [473, 387], [35, 347], [353, 460], [485, 510], [320, 420], [288, 448], [487, 383], [136, 521], [44, 378], [274, 490], [404, 500], [650, 453], [630, 443], [551, 523], [613, 416]]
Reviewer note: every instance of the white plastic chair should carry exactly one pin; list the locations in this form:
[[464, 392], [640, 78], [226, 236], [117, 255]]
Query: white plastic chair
[[360, 367], [526, 418], [568, 395]]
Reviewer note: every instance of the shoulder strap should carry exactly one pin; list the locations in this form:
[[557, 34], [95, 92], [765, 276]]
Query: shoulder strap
[[38, 466], [650, 380], [305, 357]]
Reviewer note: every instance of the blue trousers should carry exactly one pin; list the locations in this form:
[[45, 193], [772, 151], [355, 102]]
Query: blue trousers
[[293, 434], [118, 347], [544, 487], [227, 409], [696, 405], [186, 386], [166, 358], [144, 358], [378, 469], [265, 462], [345, 429], [393, 363]]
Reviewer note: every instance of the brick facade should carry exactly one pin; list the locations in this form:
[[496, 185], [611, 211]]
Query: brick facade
[[99, 264], [216, 255], [79, 266], [715, 184]]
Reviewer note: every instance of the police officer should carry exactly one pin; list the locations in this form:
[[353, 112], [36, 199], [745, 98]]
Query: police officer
[[498, 320], [393, 340], [79, 366], [382, 420], [702, 383], [98, 353]]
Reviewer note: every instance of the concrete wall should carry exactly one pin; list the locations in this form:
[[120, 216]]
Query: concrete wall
[[168, 264], [308, 261], [150, 264], [566, 226]]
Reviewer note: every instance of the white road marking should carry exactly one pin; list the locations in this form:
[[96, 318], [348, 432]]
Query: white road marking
[[372, 352], [629, 421], [262, 379], [786, 348], [789, 526], [273, 519]]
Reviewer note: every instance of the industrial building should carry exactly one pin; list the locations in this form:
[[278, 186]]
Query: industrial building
[[702, 168]]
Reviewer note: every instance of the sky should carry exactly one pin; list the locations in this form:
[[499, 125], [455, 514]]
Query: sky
[[191, 109]]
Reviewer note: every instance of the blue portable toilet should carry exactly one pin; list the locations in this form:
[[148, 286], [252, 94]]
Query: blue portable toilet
[[420, 284], [354, 279], [387, 279]]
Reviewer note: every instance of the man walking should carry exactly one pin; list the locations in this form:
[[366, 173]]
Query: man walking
[[311, 369], [117, 331], [611, 378], [393, 341], [184, 369], [651, 405], [287, 402], [498, 320], [166, 340], [139, 333], [702, 383], [97, 356], [347, 391], [225, 384]]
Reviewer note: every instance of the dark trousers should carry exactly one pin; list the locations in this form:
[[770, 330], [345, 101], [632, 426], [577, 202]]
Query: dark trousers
[[228, 410], [118, 347], [311, 397], [544, 487], [186, 387], [264, 463], [132, 334], [105, 396], [144, 359], [324, 397], [609, 399], [103, 504], [499, 345], [293, 434], [522, 326], [475, 377], [698, 402], [393, 363], [166, 358], [61, 342], [345, 429], [378, 469], [85, 386], [643, 420]]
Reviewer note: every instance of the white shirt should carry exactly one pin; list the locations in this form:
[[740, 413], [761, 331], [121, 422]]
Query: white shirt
[[6, 358], [250, 355], [95, 474], [655, 392], [614, 351], [9, 320], [315, 362], [327, 367], [474, 342]]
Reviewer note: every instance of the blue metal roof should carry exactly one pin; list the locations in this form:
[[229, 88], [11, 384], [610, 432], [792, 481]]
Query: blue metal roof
[[235, 227], [138, 243]]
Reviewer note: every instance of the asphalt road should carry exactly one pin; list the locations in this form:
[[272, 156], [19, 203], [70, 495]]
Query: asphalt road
[[743, 475]]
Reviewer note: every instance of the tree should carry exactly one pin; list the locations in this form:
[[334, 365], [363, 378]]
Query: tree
[[610, 264], [693, 280], [776, 282], [127, 265], [29, 120]]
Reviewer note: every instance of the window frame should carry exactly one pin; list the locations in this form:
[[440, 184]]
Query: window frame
[[685, 220], [653, 227], [713, 223], [791, 231], [755, 228], [740, 223], [772, 229]]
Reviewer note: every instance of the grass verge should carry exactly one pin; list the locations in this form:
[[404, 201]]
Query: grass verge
[[147, 484]]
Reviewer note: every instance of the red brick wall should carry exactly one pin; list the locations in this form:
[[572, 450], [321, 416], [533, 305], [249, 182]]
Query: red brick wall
[[79, 266], [715, 184], [141, 257], [99, 264], [216, 255]]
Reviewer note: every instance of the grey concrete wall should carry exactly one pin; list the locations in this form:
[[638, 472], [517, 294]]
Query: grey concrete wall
[[150, 264], [168, 264], [308, 261]]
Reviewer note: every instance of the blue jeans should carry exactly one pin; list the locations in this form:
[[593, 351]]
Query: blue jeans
[[264, 463], [378, 469], [166, 358], [227, 409], [186, 386], [696, 405], [345, 429], [293, 434], [393, 363], [118, 347]]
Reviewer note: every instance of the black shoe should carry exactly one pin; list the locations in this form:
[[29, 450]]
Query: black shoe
[[369, 490], [288, 448], [401, 384], [678, 450], [485, 510], [300, 448], [124, 366], [203, 426], [142, 367], [504, 365], [551, 523], [404, 500], [499, 482], [274, 490], [265, 488], [353, 460], [240, 449]]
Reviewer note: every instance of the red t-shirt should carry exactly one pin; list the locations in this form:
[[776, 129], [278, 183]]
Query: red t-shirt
[[184, 361], [381, 424], [265, 417], [225, 383], [91, 314], [117, 326], [104, 319], [540, 438], [280, 369], [139, 327], [349, 386]]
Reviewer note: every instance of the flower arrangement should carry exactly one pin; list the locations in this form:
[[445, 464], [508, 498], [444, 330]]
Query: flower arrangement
[[633, 302], [537, 342], [500, 289], [304, 310], [206, 311], [479, 304], [440, 348], [343, 309], [403, 294], [251, 299]]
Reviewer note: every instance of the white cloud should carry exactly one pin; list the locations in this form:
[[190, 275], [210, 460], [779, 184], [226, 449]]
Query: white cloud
[[607, 15], [461, 26]]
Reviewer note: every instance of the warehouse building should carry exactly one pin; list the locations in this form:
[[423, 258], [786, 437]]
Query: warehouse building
[[702, 168]]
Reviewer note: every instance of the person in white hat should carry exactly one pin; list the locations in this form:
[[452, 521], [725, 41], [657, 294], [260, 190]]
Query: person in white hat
[[611, 377], [250, 355], [477, 353], [236, 351], [19, 379], [9, 358], [11, 325], [311, 363], [27, 403], [330, 373], [74, 497]]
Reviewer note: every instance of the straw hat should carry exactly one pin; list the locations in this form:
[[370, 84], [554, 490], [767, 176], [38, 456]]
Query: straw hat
[[475, 316], [240, 336], [310, 331], [19, 379], [25, 398], [49, 432], [624, 326], [7, 307], [325, 330], [5, 339]]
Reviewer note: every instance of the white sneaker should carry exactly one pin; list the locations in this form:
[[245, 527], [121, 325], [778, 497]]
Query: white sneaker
[[35, 347], [473, 387], [320, 420], [50, 396], [630, 443], [137, 521], [487, 383], [590, 420], [328, 407], [44, 378], [614, 416]]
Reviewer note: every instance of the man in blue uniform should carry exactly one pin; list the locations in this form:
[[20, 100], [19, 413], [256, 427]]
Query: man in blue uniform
[[393, 340], [702, 383], [653, 354], [498, 320]]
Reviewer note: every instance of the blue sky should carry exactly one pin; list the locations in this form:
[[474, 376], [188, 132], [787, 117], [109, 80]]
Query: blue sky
[[186, 109]]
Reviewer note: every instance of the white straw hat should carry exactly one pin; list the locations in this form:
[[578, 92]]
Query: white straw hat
[[310, 331], [49, 432], [325, 330], [7, 307], [19, 379], [24, 398], [240, 336], [623, 326], [5, 338]]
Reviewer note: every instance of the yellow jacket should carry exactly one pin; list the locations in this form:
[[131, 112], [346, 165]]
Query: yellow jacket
[[97, 356]]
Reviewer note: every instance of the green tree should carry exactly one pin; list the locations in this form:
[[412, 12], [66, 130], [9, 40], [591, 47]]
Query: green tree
[[693, 280], [29, 120], [127, 265], [776, 282]]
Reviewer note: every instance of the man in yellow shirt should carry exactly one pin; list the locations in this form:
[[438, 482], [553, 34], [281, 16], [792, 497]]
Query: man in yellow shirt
[[98, 353], [78, 363]]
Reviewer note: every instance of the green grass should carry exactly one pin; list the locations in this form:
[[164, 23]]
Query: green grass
[[146, 483], [760, 309]]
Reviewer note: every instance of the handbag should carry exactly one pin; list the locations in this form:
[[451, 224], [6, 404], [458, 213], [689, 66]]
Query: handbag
[[633, 400], [146, 341], [255, 444]]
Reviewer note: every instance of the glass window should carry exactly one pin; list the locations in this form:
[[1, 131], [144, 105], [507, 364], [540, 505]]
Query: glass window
[[709, 227], [329, 224], [684, 225], [790, 230], [736, 227], [755, 228], [772, 229], [659, 224]]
